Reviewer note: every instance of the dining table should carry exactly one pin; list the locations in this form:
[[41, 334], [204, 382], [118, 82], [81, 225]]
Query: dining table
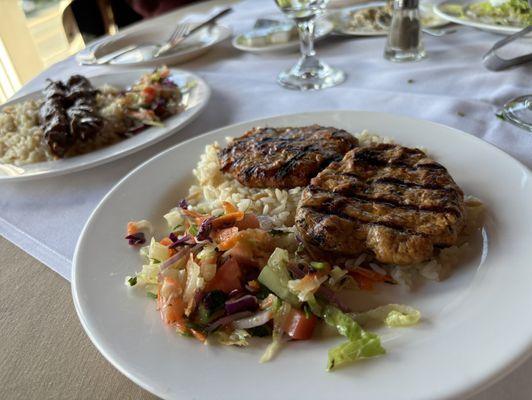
[[44, 352]]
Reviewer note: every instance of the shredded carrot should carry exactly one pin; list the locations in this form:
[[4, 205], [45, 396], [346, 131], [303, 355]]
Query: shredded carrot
[[194, 214], [372, 275], [181, 327], [228, 239], [132, 228], [166, 241], [198, 335], [227, 220], [229, 208]]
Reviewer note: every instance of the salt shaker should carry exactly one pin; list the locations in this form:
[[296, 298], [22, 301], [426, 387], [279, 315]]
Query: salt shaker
[[404, 41]]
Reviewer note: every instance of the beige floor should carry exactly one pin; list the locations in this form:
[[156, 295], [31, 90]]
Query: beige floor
[[44, 352]]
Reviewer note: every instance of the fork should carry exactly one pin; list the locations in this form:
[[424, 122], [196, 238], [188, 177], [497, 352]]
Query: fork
[[183, 31]]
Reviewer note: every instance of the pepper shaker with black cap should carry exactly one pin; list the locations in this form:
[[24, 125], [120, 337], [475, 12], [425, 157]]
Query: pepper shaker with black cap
[[404, 41]]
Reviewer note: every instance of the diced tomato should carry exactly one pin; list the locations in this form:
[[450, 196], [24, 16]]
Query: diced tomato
[[298, 326], [243, 254], [250, 221], [148, 94], [228, 277], [363, 282]]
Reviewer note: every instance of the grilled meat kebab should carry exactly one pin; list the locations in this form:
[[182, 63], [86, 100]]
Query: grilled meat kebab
[[69, 114]]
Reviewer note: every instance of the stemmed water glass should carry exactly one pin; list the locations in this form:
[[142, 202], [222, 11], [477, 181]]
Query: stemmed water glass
[[519, 110], [309, 73]]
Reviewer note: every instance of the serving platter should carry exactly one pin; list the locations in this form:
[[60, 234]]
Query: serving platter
[[196, 94], [471, 334]]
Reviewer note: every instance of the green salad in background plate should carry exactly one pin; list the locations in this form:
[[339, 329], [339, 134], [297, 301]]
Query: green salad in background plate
[[516, 13]]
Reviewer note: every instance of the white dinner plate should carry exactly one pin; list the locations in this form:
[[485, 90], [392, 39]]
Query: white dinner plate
[[440, 10], [323, 28], [194, 46], [195, 98], [341, 20], [475, 325]]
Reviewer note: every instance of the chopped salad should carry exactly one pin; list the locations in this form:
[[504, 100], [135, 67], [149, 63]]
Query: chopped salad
[[150, 100], [223, 278], [506, 12]]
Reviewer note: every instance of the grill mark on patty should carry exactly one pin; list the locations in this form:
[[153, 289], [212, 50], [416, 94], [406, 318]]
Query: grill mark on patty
[[324, 211], [284, 157], [412, 185], [353, 193], [377, 162], [389, 180]]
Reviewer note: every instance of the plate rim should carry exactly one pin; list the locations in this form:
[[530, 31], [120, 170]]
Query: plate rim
[[487, 380], [126, 152]]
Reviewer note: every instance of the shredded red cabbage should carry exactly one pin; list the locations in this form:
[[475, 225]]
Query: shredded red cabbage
[[177, 241], [258, 319], [244, 303], [227, 320], [136, 238], [183, 204], [205, 229], [175, 258]]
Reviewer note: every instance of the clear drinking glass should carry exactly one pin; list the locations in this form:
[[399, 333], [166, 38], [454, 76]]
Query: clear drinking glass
[[519, 112], [309, 73]]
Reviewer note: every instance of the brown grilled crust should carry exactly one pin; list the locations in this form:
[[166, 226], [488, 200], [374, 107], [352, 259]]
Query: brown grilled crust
[[389, 199], [284, 157]]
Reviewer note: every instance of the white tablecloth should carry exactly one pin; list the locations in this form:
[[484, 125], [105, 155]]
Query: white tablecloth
[[45, 217]]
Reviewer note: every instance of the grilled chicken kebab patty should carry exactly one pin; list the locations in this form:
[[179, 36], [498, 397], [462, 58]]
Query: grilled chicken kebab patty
[[393, 201], [284, 157]]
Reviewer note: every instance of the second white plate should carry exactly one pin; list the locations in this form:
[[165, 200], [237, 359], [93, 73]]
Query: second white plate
[[474, 326], [195, 98]]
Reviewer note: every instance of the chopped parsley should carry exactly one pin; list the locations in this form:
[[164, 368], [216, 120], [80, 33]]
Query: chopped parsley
[[275, 232], [155, 261], [460, 113], [132, 281], [151, 295]]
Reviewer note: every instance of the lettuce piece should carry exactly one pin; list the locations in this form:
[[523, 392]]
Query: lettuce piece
[[275, 276], [360, 344], [279, 316], [158, 252], [236, 338], [391, 315]]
